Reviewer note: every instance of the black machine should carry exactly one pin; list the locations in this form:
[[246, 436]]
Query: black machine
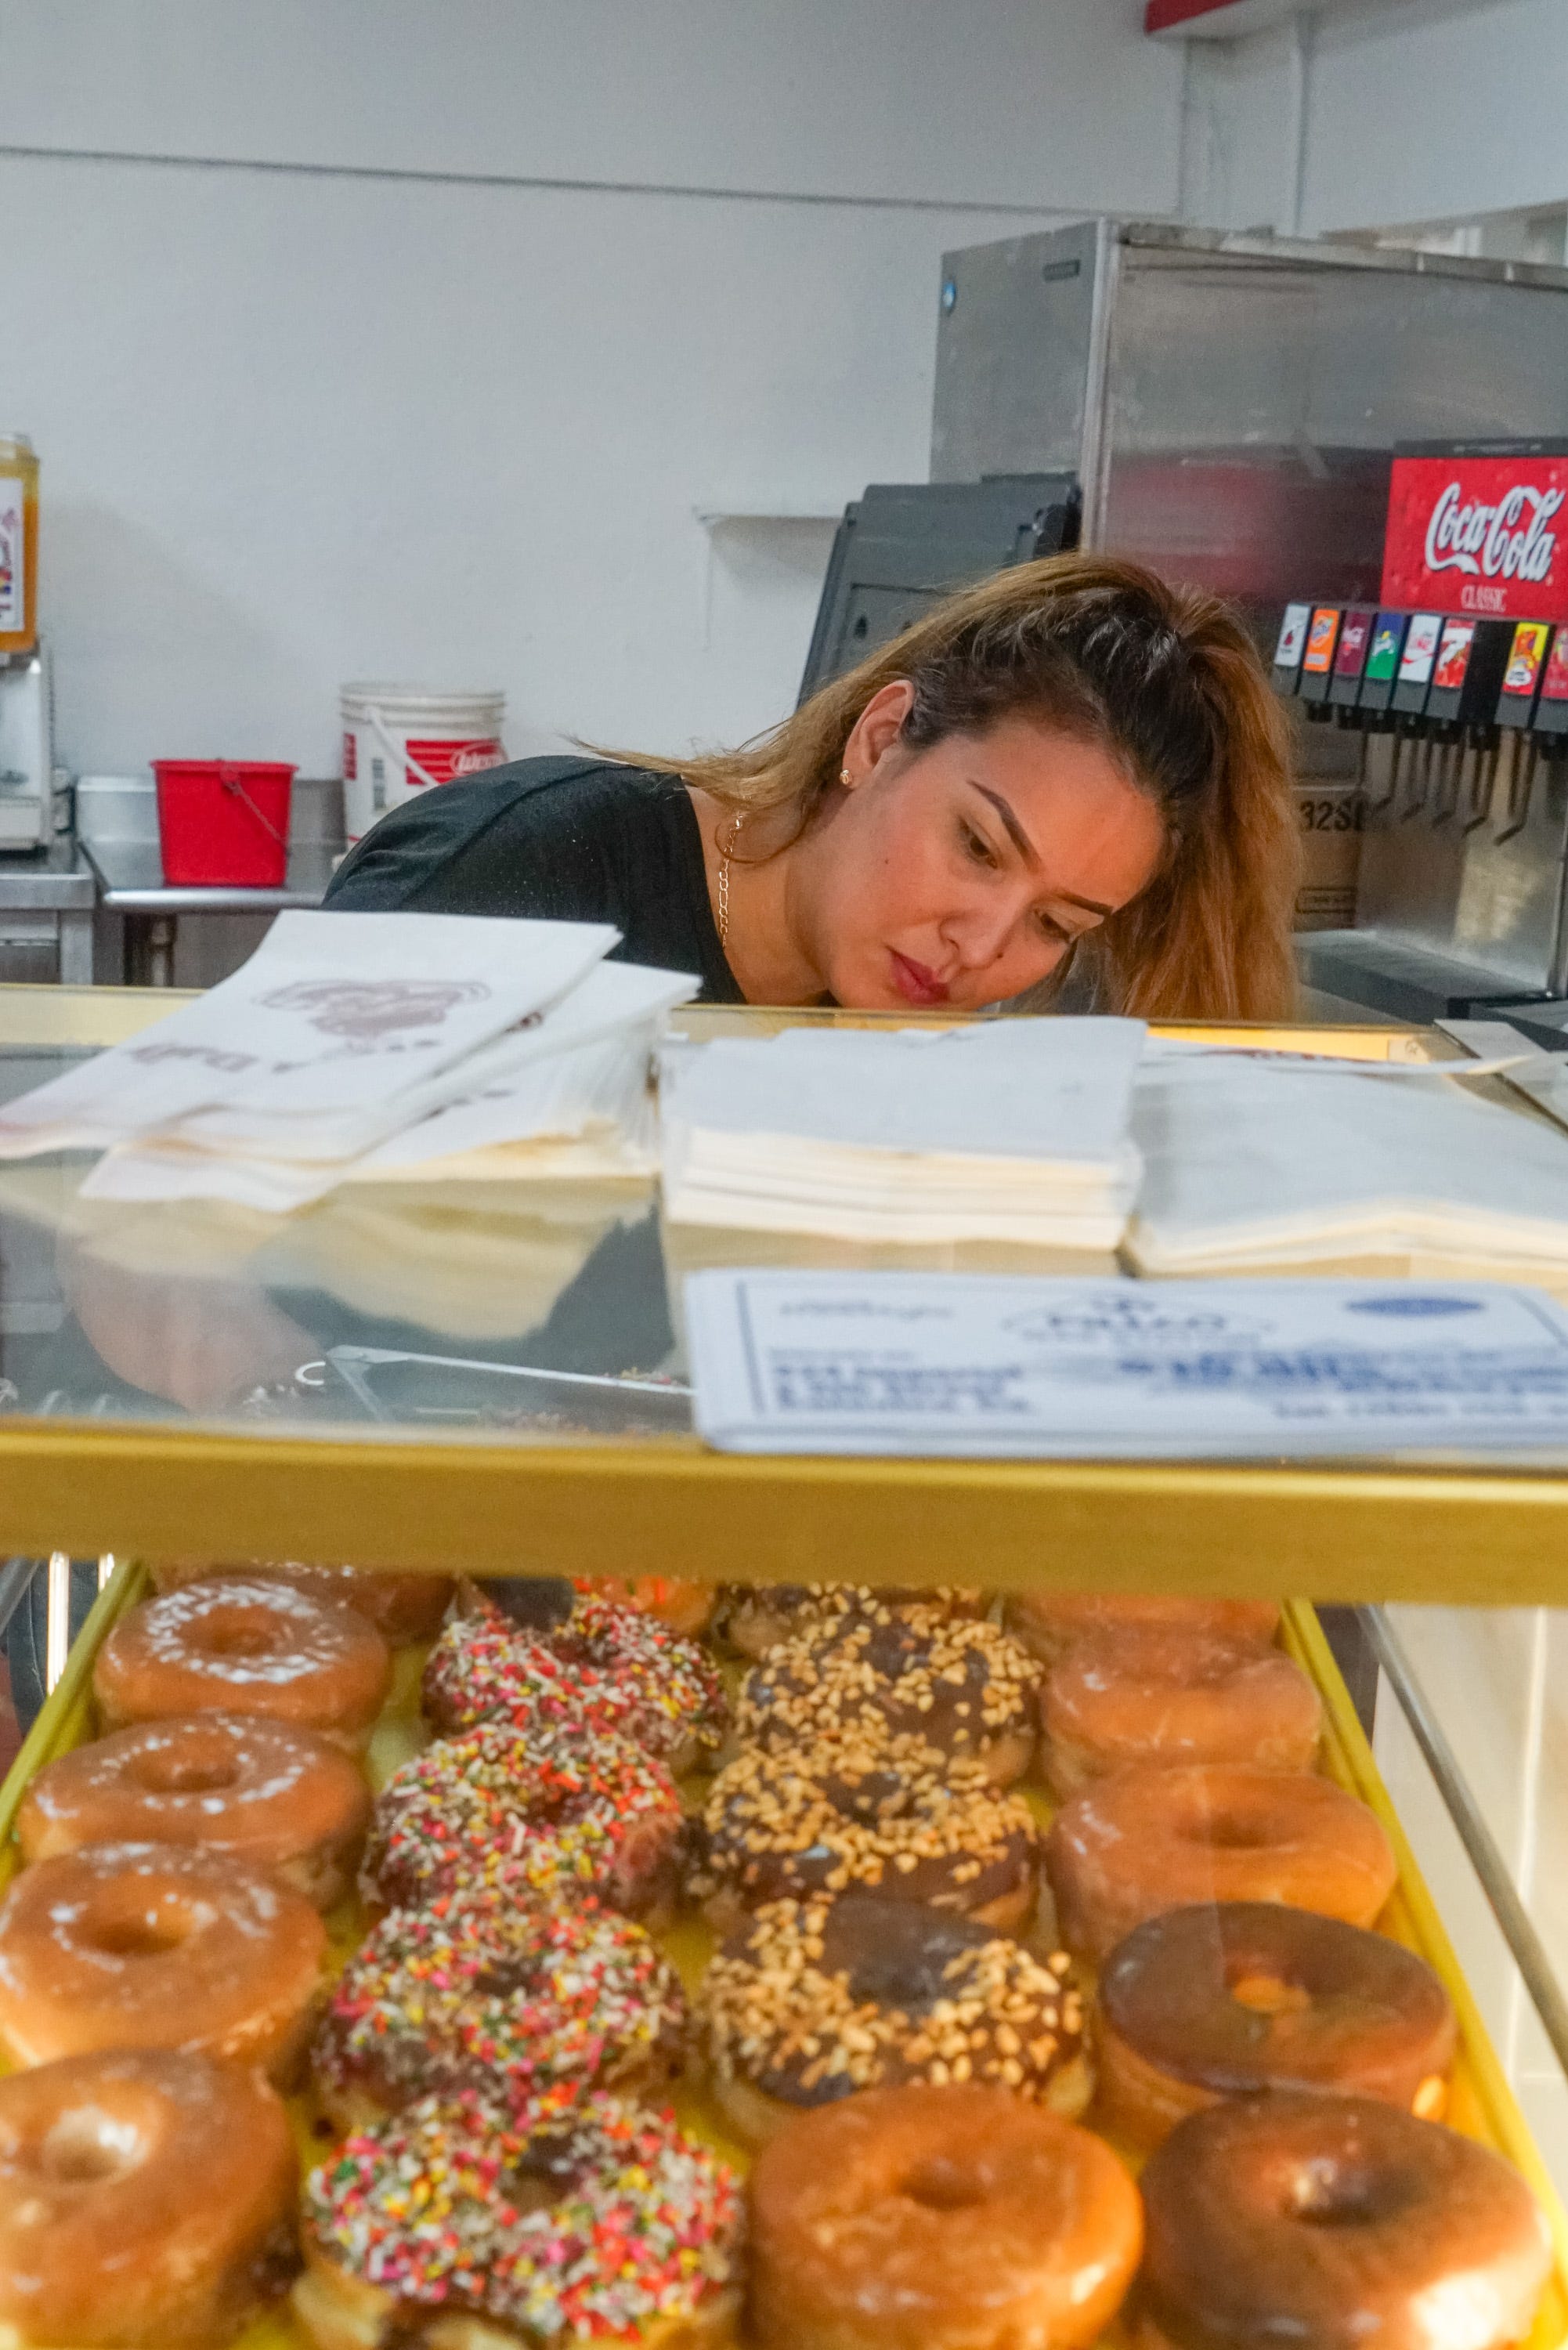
[[903, 546]]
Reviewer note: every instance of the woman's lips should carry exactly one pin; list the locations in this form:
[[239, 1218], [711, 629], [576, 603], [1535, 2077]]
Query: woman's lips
[[914, 982]]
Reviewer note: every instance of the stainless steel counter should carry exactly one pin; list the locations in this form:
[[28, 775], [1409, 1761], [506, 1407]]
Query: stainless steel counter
[[130, 875], [46, 898]]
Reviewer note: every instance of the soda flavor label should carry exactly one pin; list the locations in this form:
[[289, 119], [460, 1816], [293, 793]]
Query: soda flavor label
[[13, 557], [1420, 648], [1353, 638], [1388, 637], [1320, 640], [1555, 684], [1453, 655], [1482, 535], [1524, 658], [1293, 635]]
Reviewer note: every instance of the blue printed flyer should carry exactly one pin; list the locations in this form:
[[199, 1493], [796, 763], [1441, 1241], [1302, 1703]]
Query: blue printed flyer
[[990, 1365]]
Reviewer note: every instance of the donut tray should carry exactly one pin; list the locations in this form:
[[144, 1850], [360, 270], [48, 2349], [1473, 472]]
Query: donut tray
[[1480, 2103]]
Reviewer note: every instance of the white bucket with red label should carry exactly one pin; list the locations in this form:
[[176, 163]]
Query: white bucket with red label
[[399, 741]]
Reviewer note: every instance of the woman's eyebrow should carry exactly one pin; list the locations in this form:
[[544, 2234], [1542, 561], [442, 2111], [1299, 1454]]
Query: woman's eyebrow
[[1019, 837], [1026, 849]]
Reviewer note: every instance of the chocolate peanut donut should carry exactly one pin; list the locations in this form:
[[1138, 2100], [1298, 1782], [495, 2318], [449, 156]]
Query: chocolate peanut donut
[[756, 1617], [962, 1688], [1335, 2221], [897, 1820], [810, 2001], [1231, 1998]]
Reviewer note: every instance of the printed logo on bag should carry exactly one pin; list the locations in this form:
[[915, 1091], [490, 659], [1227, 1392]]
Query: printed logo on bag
[[367, 1010], [1479, 535]]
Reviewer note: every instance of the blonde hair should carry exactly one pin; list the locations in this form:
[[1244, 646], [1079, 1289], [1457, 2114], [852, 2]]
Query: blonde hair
[[1168, 682]]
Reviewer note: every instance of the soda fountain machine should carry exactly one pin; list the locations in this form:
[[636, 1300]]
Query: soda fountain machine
[[1457, 683]]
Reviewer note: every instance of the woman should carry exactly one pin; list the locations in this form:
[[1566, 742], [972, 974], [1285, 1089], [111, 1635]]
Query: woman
[[1069, 764]]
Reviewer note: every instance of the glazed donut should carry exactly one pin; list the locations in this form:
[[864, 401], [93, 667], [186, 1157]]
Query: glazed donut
[[146, 2201], [604, 2222], [1336, 2222], [607, 1669], [246, 1648], [1231, 1998], [754, 1617], [282, 1799], [813, 2001], [1150, 1840], [402, 1607], [928, 2219], [820, 1819], [548, 1813], [524, 1998], [156, 1946], [685, 1607], [1142, 1695], [963, 1688], [1047, 1622]]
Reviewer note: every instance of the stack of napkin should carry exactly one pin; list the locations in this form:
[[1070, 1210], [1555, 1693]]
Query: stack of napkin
[[371, 1047], [1015, 1130], [1260, 1164]]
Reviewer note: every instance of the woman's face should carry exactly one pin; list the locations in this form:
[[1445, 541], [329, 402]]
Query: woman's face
[[963, 874]]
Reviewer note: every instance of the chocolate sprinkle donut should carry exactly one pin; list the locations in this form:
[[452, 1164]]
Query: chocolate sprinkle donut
[[810, 2001]]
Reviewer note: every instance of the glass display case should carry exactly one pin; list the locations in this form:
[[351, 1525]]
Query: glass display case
[[488, 1380]]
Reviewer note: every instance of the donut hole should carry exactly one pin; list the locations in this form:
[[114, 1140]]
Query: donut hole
[[941, 2184], [172, 1773], [1234, 1832], [143, 1933], [1350, 2195], [1267, 1994], [87, 2145], [235, 1638]]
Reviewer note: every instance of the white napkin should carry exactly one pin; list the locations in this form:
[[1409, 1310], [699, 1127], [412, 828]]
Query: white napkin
[[1016, 1129], [308, 1047], [565, 1096], [1250, 1164]]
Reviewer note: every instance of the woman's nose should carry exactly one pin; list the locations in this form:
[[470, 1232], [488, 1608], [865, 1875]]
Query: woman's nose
[[979, 935]]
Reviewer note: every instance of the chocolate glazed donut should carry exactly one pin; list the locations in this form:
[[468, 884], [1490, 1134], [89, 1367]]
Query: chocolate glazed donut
[[1226, 1999], [1334, 2222]]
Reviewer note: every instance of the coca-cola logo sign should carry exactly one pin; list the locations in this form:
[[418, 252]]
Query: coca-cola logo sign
[[1479, 535]]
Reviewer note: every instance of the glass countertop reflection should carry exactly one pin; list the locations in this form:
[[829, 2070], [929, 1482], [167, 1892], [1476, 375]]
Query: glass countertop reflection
[[537, 1308]]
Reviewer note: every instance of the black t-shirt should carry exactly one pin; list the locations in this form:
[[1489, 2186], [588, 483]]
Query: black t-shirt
[[562, 840]]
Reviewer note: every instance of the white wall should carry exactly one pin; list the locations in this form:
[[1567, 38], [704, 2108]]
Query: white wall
[[403, 342], [1377, 112]]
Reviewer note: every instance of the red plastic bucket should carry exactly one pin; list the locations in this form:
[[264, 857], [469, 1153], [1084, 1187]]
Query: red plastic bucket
[[224, 823]]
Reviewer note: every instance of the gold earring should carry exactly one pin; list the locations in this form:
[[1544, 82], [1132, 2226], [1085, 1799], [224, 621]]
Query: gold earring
[[847, 779]]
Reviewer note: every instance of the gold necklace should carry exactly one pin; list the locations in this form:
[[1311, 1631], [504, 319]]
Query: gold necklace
[[726, 858]]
